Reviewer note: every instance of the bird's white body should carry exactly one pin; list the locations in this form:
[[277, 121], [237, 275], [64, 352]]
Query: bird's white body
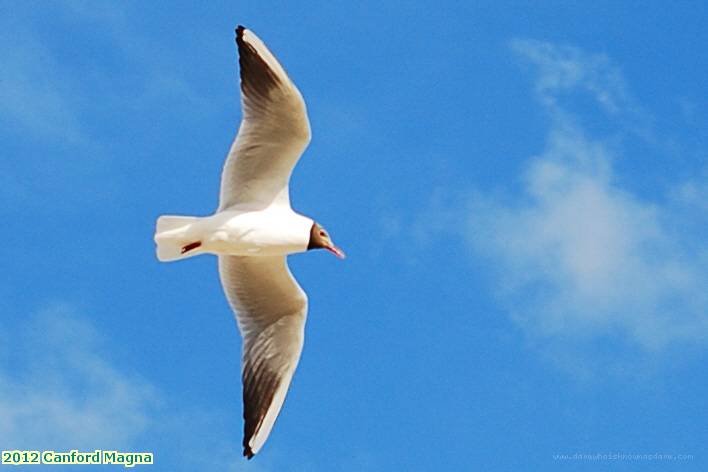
[[274, 231]]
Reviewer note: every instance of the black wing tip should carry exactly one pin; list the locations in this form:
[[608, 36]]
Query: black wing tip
[[240, 30], [248, 453], [257, 77]]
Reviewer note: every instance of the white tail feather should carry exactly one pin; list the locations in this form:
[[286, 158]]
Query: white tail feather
[[172, 234]]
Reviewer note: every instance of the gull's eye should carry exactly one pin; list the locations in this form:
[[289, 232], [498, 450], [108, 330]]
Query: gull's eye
[[323, 234]]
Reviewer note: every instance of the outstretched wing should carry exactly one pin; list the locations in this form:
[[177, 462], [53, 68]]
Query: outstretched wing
[[270, 308], [273, 134]]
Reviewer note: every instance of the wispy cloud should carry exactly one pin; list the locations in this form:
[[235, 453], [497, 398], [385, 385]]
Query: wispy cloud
[[59, 390], [36, 91], [565, 69], [578, 255], [46, 92], [72, 94]]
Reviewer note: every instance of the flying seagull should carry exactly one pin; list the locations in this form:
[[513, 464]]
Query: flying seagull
[[253, 231]]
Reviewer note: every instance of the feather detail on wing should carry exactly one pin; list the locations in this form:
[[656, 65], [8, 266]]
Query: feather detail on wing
[[273, 134], [270, 308]]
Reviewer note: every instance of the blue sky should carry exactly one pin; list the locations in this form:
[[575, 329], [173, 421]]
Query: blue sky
[[520, 189]]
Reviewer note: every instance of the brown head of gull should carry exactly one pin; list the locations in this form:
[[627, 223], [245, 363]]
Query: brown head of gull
[[319, 239]]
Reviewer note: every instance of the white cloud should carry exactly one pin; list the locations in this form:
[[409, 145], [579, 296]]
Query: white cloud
[[563, 69], [67, 91], [578, 255], [58, 391], [693, 194], [36, 92], [44, 94]]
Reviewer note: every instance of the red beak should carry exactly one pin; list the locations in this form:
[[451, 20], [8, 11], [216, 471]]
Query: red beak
[[336, 251]]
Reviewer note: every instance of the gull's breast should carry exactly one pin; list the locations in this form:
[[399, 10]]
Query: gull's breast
[[260, 233]]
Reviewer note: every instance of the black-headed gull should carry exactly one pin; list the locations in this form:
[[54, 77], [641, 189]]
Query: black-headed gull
[[253, 231]]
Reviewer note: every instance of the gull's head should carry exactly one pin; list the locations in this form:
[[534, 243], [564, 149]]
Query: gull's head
[[319, 239]]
